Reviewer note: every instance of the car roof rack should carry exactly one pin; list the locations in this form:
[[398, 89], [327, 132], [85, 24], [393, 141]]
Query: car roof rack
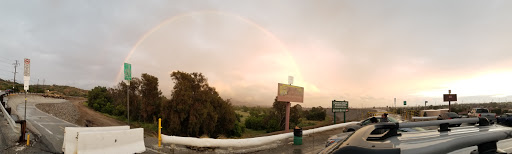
[[363, 141]]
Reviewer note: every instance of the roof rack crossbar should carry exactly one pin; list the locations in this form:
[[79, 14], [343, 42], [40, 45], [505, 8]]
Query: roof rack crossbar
[[438, 122]]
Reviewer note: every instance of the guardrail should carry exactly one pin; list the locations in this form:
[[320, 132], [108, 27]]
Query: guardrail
[[238, 143], [11, 121]]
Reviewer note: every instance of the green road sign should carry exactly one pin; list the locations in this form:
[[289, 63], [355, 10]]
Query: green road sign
[[127, 71], [339, 106], [405, 102]]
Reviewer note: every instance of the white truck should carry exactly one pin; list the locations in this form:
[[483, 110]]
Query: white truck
[[482, 112]]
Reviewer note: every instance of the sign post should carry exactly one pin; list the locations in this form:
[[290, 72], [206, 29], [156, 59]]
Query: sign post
[[288, 93], [449, 98], [339, 106], [128, 78], [26, 83]]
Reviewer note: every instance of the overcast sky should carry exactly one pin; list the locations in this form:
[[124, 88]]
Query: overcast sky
[[366, 52]]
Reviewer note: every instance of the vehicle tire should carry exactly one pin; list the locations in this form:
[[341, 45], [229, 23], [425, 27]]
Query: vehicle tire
[[350, 130]]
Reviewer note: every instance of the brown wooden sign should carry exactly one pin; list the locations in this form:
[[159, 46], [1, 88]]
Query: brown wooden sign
[[289, 93], [450, 97]]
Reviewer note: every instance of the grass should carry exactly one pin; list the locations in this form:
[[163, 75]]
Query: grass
[[150, 129], [253, 133], [244, 115]]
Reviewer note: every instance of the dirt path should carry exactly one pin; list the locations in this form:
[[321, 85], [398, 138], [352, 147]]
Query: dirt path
[[77, 113], [91, 118]]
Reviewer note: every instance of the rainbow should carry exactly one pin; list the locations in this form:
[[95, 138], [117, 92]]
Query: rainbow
[[182, 16]]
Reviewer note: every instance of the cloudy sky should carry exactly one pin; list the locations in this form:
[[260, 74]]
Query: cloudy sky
[[366, 52]]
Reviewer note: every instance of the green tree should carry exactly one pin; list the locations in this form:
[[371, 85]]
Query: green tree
[[100, 100], [295, 115], [119, 96], [195, 108], [316, 113], [277, 116], [151, 98]]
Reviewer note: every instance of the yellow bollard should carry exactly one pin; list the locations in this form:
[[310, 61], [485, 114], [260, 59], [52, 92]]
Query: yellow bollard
[[159, 132], [28, 139]]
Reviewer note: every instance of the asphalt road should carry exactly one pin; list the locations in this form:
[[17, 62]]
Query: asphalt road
[[50, 127]]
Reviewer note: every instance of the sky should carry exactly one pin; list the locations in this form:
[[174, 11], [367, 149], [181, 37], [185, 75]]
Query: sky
[[365, 52]]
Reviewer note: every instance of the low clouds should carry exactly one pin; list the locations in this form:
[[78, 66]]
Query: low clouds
[[367, 53]]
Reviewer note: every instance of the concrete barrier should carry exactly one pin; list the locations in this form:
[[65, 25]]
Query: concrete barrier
[[239, 143], [71, 134], [116, 141]]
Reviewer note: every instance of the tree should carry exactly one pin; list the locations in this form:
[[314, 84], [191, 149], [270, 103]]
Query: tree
[[195, 108], [119, 99], [151, 98], [316, 113], [279, 113], [295, 115], [100, 100]]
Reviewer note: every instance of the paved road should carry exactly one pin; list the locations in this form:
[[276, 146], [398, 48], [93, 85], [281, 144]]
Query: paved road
[[50, 127]]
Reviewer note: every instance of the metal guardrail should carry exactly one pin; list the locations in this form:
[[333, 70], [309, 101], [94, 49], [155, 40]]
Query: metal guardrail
[[11, 121]]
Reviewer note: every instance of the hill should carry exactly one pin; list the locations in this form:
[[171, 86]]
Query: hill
[[61, 89]]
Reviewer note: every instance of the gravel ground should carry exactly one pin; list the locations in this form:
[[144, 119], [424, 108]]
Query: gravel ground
[[65, 111]]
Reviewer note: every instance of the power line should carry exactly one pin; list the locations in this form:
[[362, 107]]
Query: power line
[[4, 62], [6, 59], [5, 70]]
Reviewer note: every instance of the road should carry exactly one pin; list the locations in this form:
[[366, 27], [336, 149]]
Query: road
[[50, 127]]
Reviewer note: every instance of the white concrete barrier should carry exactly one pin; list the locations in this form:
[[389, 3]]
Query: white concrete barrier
[[71, 135], [249, 142], [116, 141]]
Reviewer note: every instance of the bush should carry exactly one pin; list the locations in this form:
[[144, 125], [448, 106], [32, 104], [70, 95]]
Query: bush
[[317, 114], [196, 109], [100, 100], [255, 122]]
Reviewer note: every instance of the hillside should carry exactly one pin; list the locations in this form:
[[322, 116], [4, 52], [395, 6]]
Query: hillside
[[64, 90]]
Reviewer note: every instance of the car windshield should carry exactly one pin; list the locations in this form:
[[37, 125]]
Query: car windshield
[[482, 111], [367, 121], [338, 144], [392, 119], [451, 114]]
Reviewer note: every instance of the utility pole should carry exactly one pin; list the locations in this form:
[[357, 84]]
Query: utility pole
[[43, 85], [38, 87], [16, 64]]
